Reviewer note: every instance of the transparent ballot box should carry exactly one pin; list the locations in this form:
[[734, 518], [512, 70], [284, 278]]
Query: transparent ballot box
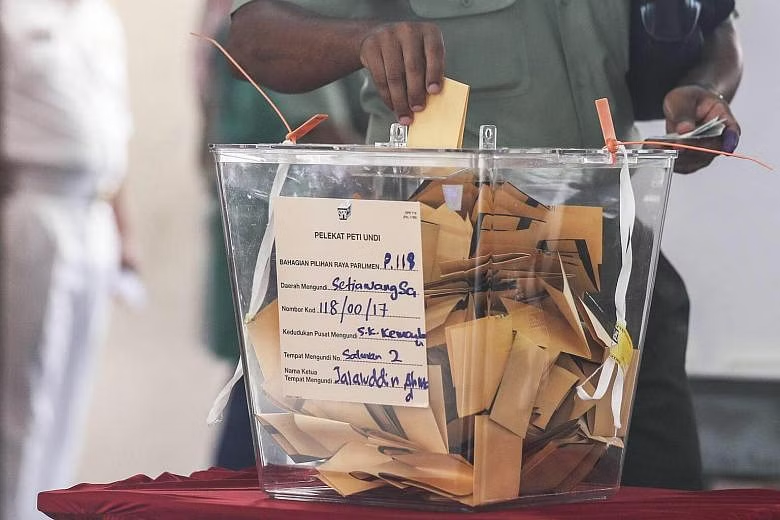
[[443, 329]]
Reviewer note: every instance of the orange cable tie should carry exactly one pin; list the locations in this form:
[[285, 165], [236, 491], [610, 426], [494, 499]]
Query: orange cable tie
[[698, 149], [248, 77], [607, 126], [312, 123]]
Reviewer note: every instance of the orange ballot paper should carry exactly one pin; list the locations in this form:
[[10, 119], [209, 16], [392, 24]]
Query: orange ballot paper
[[442, 122]]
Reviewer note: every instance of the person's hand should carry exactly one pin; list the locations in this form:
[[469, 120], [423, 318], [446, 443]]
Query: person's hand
[[406, 62], [129, 259], [688, 106], [128, 247], [128, 286]]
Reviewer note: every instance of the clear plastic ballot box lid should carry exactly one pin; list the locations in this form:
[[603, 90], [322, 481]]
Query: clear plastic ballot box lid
[[443, 329]]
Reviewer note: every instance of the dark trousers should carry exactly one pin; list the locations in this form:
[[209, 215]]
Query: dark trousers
[[663, 443], [235, 449]]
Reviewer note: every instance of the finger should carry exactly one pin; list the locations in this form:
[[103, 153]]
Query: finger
[[713, 108], [433, 44], [371, 58], [413, 52], [720, 109], [730, 140], [395, 73], [689, 161], [680, 112]]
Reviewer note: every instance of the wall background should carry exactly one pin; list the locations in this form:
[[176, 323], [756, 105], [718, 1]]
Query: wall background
[[156, 379]]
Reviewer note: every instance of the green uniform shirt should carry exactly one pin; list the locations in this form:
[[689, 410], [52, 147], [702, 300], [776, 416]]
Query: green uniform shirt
[[535, 67]]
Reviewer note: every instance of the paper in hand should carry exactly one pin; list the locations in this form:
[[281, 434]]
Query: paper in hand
[[712, 128], [442, 122]]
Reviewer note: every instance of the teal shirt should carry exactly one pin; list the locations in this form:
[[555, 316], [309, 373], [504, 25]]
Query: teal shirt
[[535, 67], [239, 114]]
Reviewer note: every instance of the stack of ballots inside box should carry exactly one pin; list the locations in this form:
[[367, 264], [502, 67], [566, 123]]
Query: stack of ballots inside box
[[511, 332]]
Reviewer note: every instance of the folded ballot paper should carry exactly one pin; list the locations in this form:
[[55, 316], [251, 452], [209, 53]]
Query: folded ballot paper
[[509, 334], [709, 129]]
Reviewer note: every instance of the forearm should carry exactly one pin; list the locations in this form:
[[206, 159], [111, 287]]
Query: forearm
[[128, 254], [119, 206], [293, 50], [720, 68]]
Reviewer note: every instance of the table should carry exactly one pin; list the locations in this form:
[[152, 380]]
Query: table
[[223, 494]]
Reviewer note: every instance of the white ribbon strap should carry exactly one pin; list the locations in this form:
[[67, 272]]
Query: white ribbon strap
[[263, 265], [218, 408], [621, 350], [259, 290]]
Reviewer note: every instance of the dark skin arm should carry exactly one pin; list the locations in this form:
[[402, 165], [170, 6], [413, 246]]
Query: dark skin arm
[[705, 93], [300, 51]]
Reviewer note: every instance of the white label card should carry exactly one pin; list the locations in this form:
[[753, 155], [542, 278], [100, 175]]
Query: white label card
[[351, 303]]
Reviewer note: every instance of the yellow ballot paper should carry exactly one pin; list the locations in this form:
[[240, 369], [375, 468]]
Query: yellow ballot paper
[[478, 351], [498, 457], [442, 122]]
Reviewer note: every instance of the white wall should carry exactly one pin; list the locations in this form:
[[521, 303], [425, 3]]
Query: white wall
[[723, 224], [156, 380]]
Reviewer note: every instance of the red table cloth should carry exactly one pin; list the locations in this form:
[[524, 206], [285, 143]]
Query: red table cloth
[[223, 494]]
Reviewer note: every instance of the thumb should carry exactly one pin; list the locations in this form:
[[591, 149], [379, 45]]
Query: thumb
[[680, 112]]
